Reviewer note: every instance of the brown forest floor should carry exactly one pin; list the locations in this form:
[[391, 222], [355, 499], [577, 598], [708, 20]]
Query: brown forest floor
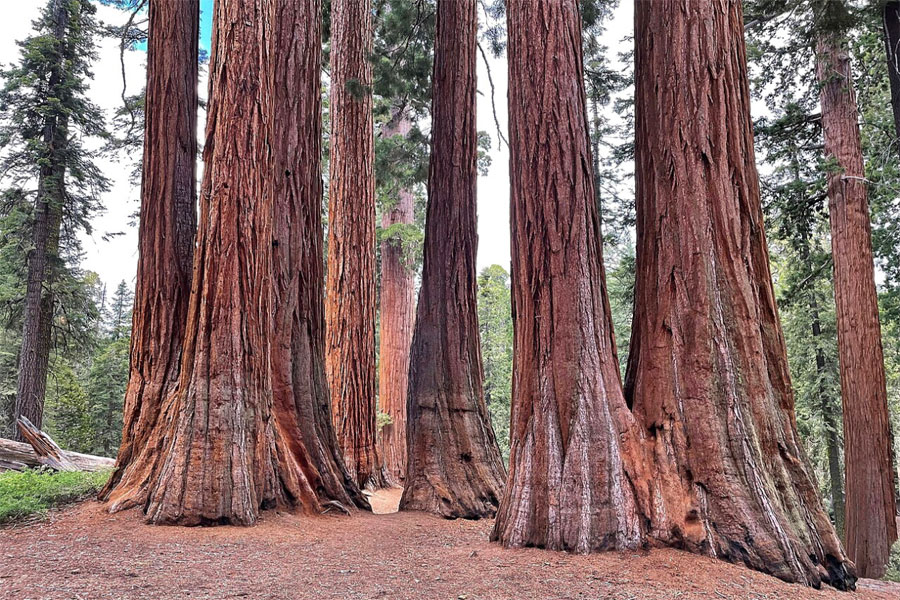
[[85, 553]]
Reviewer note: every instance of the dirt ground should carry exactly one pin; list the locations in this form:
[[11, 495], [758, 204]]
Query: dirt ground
[[84, 553]]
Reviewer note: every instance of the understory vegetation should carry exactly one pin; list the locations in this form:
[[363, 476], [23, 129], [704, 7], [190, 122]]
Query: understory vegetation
[[33, 492]]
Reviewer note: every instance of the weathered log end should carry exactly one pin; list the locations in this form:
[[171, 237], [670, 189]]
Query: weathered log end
[[42, 451]]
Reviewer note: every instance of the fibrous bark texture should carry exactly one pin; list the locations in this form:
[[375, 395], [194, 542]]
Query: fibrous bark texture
[[168, 223], [571, 433], [299, 385], [891, 21], [709, 460], [37, 316], [350, 294], [248, 428], [707, 373], [870, 523], [454, 467], [397, 318]]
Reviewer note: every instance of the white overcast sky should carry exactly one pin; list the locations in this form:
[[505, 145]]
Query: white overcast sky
[[115, 259]]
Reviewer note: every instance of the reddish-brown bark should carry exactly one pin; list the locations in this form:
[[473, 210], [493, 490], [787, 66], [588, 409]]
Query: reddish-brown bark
[[454, 467], [350, 288], [708, 375], [168, 222], [301, 398], [571, 434], [870, 523], [397, 319], [247, 427], [709, 460]]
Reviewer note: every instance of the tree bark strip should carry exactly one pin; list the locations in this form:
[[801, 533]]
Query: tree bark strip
[[871, 506], [37, 318], [454, 467], [350, 293], [397, 320], [168, 224]]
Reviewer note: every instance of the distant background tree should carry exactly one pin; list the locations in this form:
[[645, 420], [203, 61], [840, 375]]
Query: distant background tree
[[46, 122], [496, 330]]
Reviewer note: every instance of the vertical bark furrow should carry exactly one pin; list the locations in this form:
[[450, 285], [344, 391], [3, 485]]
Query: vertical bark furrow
[[454, 466]]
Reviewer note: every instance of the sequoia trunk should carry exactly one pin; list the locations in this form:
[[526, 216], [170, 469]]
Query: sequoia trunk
[[37, 317], [870, 521], [710, 460], [247, 427], [454, 467], [571, 435], [350, 294], [397, 319], [707, 373], [168, 223], [300, 388]]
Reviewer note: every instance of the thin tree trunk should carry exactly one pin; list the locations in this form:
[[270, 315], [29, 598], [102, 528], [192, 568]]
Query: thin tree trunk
[[398, 317], [350, 293], [832, 447], [168, 225], [231, 443], [43, 256], [871, 525], [572, 437], [454, 467], [891, 21]]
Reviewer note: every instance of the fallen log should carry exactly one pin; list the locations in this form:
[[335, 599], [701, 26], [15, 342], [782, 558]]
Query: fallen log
[[48, 451], [17, 456]]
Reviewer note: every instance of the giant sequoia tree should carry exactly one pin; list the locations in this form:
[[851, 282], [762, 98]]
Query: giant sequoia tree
[[247, 427], [870, 522], [168, 222], [709, 459], [707, 372], [350, 299], [567, 486], [454, 467], [396, 320]]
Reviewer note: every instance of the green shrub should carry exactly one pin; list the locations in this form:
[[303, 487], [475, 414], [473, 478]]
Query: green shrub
[[33, 492], [893, 566]]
